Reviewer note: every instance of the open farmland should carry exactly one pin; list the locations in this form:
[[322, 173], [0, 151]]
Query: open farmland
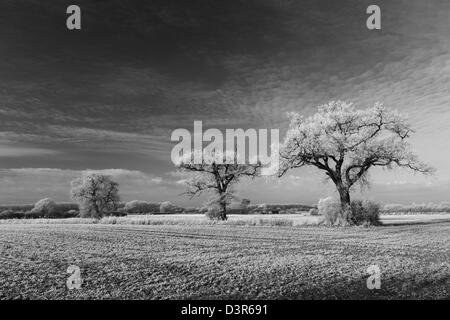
[[224, 261]]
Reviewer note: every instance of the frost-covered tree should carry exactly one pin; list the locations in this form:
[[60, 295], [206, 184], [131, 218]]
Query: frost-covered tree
[[167, 207], [96, 194], [45, 207], [346, 142], [216, 177]]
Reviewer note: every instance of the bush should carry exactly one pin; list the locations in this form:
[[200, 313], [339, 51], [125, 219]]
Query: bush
[[167, 207], [237, 211], [141, 207], [33, 215], [313, 212], [17, 207], [9, 214], [416, 208], [66, 207], [85, 211], [203, 209], [239, 207], [277, 208], [115, 214], [45, 207], [329, 208], [245, 203], [365, 213], [213, 213], [263, 208], [71, 214]]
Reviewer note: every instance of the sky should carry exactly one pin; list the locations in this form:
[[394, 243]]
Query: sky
[[107, 97]]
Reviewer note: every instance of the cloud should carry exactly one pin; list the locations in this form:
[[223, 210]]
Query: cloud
[[10, 151], [157, 180], [31, 184], [111, 97], [116, 141]]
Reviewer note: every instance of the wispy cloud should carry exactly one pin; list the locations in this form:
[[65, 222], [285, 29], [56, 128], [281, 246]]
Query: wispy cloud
[[111, 97], [11, 151], [32, 184]]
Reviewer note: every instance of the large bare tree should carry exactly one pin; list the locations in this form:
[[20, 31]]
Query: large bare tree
[[346, 142], [217, 178]]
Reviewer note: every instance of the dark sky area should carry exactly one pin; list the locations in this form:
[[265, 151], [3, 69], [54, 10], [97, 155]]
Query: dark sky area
[[108, 96]]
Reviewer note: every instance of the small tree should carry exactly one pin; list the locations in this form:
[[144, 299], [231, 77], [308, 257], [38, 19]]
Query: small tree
[[346, 142], [245, 203], [44, 207], [167, 207], [96, 194], [217, 177]]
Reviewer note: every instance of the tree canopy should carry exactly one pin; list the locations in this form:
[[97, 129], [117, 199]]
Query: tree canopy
[[96, 193], [218, 178]]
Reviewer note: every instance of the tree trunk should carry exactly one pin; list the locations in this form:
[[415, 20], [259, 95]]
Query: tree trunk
[[96, 208], [344, 217], [223, 210]]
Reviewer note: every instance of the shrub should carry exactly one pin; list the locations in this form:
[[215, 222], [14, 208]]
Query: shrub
[[365, 213], [330, 209], [213, 213], [85, 211], [66, 207], [58, 215], [203, 209], [191, 210], [45, 207], [10, 214], [239, 207], [115, 214], [167, 207], [140, 207], [313, 212], [416, 208], [33, 215], [237, 211], [17, 207], [122, 210], [277, 222], [71, 214], [263, 208], [277, 208], [245, 203]]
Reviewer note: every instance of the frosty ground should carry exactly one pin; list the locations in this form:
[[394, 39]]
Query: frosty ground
[[219, 261]]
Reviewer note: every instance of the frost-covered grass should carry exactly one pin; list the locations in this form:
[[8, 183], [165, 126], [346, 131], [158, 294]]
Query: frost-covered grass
[[291, 220], [415, 208], [182, 219], [223, 261], [200, 219], [50, 221]]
